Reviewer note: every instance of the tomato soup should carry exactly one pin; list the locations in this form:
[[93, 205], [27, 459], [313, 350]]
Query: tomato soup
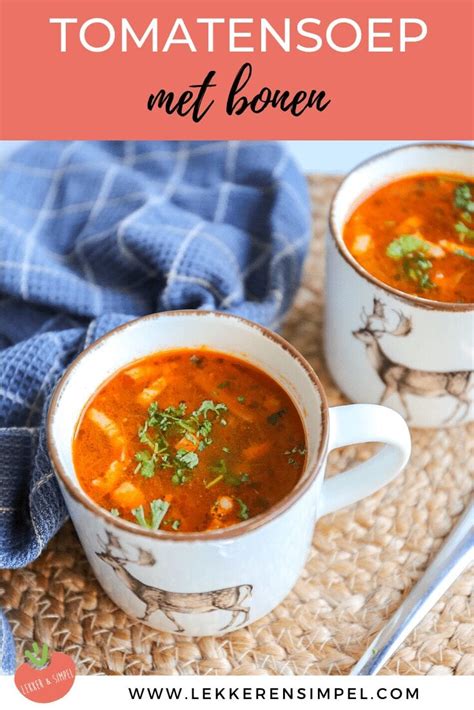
[[417, 235], [189, 441]]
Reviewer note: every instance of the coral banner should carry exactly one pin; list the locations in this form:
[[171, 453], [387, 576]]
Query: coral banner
[[261, 69]]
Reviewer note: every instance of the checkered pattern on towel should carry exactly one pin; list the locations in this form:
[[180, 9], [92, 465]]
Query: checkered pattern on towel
[[95, 233]]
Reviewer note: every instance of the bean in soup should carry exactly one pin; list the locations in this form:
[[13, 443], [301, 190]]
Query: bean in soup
[[417, 235], [189, 441]]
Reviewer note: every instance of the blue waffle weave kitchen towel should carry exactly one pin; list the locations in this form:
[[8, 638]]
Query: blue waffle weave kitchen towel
[[95, 233]]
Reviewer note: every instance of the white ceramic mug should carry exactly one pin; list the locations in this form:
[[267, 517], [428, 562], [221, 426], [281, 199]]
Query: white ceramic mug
[[211, 582], [383, 345]]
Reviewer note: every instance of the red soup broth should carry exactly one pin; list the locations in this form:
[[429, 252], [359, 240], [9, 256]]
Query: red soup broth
[[188, 441]]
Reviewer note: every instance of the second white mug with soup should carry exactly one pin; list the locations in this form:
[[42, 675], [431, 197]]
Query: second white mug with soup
[[383, 345]]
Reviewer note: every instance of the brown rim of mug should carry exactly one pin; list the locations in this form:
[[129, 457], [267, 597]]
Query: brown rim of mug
[[426, 303], [211, 535]]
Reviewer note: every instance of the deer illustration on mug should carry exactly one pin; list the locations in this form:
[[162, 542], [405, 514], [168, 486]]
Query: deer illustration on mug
[[229, 599], [403, 380]]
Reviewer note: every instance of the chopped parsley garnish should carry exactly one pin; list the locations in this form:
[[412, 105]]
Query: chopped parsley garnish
[[244, 511], [162, 423], [274, 418], [175, 524], [463, 198], [462, 252], [209, 406], [219, 467], [410, 251], [158, 509], [463, 201], [241, 399], [115, 512], [416, 269], [179, 478], [146, 463], [188, 458], [223, 474], [463, 231], [405, 245], [223, 385], [236, 479]]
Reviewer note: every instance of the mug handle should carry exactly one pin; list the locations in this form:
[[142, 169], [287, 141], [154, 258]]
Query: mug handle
[[357, 424]]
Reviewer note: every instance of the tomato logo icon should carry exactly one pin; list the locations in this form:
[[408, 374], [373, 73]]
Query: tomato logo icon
[[45, 677]]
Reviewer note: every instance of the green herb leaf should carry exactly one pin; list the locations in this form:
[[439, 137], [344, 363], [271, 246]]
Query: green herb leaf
[[209, 406], [416, 269], [204, 430], [179, 477], [143, 435], [229, 478], [115, 512], [176, 524], [274, 418], [233, 479], [188, 458], [410, 251], [241, 399], [463, 198], [223, 385], [169, 417], [405, 245], [139, 514], [465, 232], [146, 464], [219, 467], [173, 421], [159, 508], [244, 511]]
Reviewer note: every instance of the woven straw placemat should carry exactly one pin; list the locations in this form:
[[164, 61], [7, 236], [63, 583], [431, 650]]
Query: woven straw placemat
[[364, 559]]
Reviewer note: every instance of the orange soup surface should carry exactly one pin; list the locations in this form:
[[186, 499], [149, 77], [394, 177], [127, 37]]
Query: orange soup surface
[[189, 441], [417, 235]]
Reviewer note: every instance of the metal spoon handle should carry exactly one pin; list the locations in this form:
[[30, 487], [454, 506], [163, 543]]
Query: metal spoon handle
[[454, 556]]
